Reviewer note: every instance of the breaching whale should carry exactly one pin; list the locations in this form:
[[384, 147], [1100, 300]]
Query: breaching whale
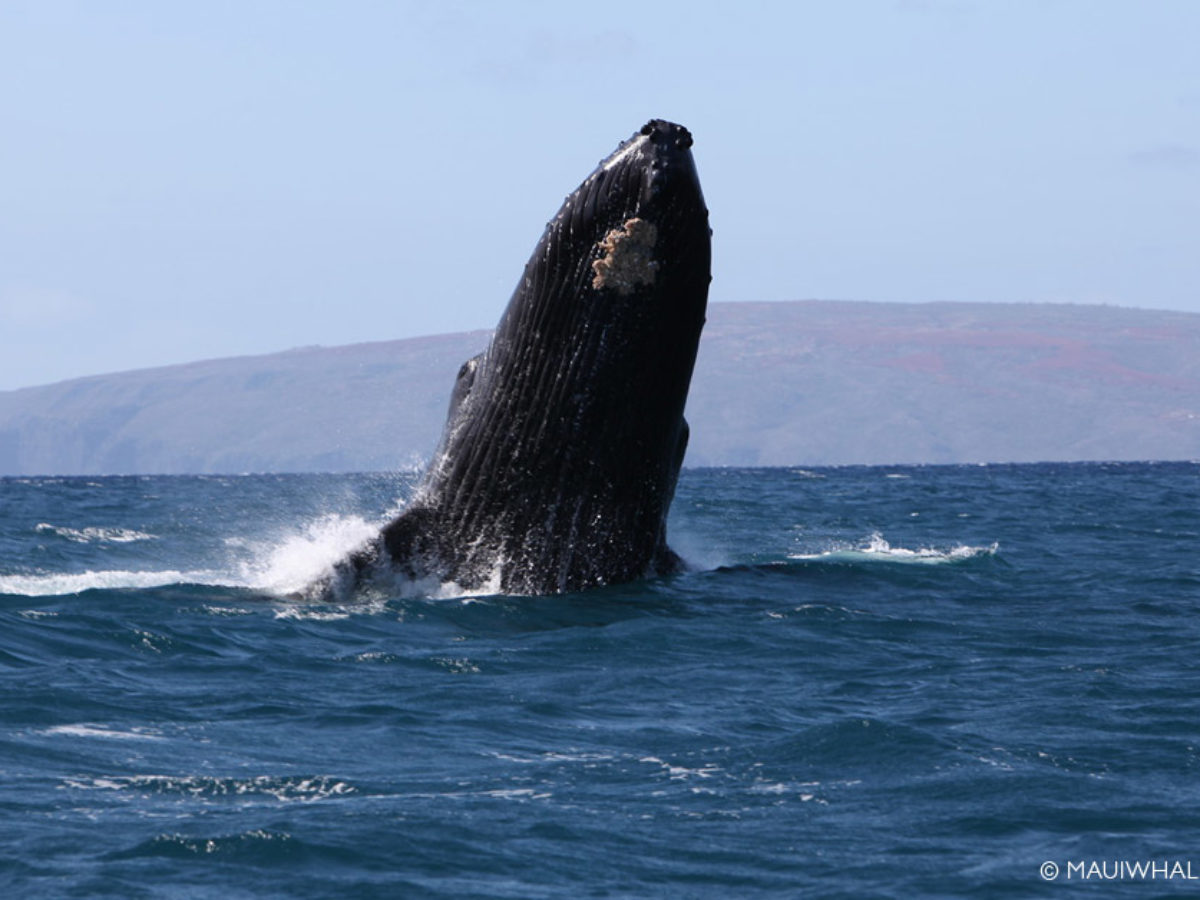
[[564, 438]]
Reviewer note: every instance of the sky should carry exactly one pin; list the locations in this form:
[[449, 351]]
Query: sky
[[189, 180]]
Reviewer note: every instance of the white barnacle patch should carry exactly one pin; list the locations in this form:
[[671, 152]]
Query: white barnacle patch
[[627, 261]]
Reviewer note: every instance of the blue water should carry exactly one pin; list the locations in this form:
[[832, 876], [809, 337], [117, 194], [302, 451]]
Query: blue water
[[877, 682]]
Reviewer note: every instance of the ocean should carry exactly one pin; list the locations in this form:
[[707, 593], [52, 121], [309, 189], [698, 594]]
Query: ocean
[[893, 681]]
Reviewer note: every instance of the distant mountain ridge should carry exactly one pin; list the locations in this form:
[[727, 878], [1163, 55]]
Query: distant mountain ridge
[[795, 383]]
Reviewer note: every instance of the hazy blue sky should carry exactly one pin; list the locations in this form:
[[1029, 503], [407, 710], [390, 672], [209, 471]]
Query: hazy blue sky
[[181, 180]]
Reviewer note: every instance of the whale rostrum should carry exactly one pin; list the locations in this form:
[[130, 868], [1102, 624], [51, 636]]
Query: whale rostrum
[[564, 438]]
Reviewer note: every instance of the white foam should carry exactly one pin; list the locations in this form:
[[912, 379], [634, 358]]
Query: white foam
[[682, 773], [285, 790], [277, 567], [93, 534], [876, 549], [225, 610], [452, 590], [312, 613], [53, 585], [517, 794], [298, 560], [283, 565], [88, 730]]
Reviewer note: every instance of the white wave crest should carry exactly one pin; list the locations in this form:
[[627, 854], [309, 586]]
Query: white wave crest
[[93, 534], [280, 566], [90, 730], [283, 565], [53, 585], [876, 549], [283, 789]]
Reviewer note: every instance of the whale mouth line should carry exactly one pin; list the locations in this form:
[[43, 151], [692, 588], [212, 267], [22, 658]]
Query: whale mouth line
[[635, 144]]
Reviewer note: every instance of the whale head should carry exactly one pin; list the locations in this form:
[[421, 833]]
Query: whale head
[[564, 438]]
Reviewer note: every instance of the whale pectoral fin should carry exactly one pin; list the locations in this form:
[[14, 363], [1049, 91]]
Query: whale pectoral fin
[[340, 582], [410, 540], [407, 545], [666, 561], [685, 432], [462, 385]]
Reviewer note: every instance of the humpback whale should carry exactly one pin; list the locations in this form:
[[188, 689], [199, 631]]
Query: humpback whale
[[564, 438]]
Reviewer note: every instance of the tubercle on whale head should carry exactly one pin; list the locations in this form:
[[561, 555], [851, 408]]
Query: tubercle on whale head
[[661, 150], [664, 137], [668, 131]]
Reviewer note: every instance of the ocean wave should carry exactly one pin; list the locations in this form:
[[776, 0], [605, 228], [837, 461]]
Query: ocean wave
[[305, 789], [90, 730], [252, 845], [95, 534], [876, 549], [279, 567], [58, 584]]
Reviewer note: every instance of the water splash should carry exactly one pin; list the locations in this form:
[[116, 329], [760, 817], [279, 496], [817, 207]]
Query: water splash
[[280, 566], [289, 565], [877, 549]]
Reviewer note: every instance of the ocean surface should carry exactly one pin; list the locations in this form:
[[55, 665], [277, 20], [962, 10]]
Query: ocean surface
[[876, 682]]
